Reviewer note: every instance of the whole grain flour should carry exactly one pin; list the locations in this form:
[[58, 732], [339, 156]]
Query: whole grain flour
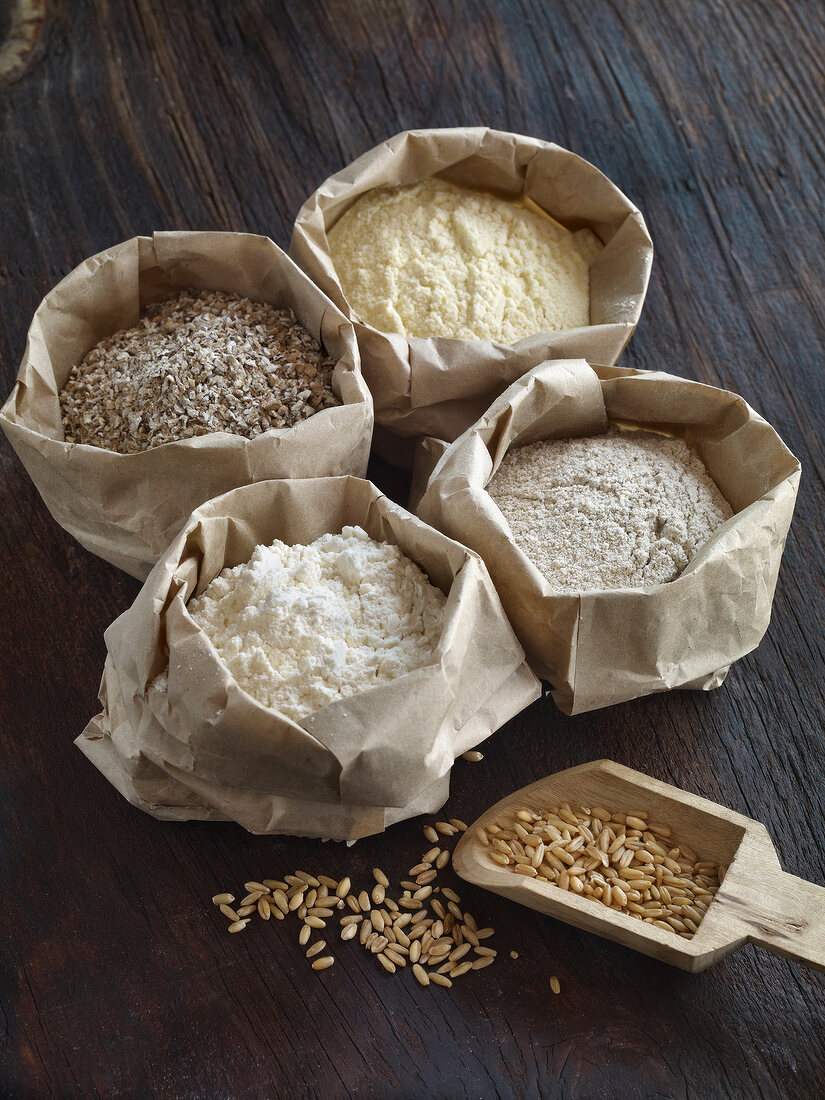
[[301, 626], [626, 509]]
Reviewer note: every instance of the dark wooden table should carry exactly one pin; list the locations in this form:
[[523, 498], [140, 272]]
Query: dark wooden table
[[118, 978]]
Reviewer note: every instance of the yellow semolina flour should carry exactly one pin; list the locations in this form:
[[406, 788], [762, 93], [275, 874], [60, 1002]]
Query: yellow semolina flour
[[432, 259]]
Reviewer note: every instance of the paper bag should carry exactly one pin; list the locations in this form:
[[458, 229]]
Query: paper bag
[[439, 386], [127, 508], [607, 646], [194, 744]]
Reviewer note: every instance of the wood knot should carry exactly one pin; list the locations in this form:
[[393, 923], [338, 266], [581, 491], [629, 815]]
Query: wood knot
[[783, 928], [24, 33]]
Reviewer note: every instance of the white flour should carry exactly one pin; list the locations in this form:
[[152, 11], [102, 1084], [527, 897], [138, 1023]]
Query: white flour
[[619, 510], [301, 626]]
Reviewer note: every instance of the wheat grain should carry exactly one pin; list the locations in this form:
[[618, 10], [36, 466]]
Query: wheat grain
[[310, 880], [614, 859], [421, 975], [388, 965], [440, 979], [462, 968], [439, 937]]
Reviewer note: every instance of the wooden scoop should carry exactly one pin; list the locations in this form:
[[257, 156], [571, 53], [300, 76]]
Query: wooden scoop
[[757, 902]]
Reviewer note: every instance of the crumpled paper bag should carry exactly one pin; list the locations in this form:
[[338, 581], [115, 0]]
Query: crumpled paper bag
[[603, 647], [193, 744], [127, 508], [439, 386]]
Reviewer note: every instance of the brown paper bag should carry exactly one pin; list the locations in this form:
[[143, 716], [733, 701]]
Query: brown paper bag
[[195, 745], [425, 458], [602, 647], [173, 795], [440, 386], [127, 508]]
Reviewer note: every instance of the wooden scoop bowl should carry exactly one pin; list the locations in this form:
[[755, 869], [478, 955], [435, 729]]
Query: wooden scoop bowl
[[757, 902]]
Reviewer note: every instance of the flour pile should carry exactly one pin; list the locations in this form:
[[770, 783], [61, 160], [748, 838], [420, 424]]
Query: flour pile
[[301, 626], [625, 509], [432, 259]]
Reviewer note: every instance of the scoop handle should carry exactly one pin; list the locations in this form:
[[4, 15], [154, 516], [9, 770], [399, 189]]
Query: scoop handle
[[789, 919]]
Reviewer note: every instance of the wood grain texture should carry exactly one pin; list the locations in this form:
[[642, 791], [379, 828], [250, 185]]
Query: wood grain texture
[[116, 976]]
